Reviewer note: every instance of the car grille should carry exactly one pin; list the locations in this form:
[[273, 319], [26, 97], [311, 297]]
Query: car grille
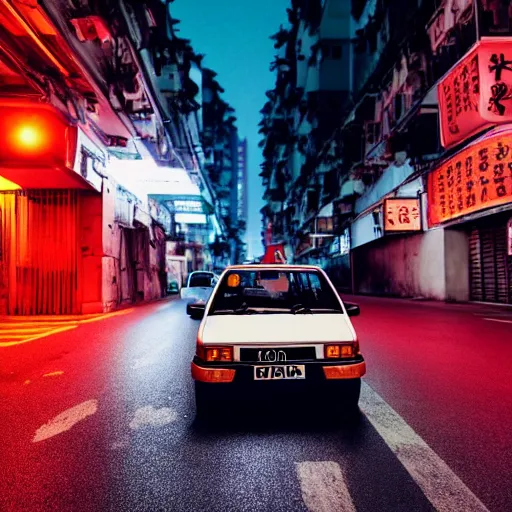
[[270, 355]]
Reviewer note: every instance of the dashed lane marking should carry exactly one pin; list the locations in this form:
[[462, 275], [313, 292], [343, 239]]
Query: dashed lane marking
[[66, 420], [324, 488], [498, 320], [149, 416], [442, 487]]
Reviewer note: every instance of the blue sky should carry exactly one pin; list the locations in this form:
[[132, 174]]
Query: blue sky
[[234, 36]]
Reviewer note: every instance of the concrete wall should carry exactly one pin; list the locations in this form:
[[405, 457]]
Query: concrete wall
[[403, 266], [154, 285], [111, 241], [432, 265], [456, 265]]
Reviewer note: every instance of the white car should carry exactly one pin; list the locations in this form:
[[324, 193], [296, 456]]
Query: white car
[[269, 327], [199, 286]]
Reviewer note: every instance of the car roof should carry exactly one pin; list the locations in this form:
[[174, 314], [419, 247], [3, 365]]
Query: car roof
[[273, 266], [201, 272]]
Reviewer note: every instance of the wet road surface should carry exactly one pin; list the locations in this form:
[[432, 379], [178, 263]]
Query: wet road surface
[[102, 417]]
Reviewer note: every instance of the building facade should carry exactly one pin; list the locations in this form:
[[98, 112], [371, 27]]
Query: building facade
[[84, 90], [221, 147], [422, 196]]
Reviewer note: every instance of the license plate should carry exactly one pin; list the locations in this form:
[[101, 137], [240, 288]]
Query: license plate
[[286, 372]]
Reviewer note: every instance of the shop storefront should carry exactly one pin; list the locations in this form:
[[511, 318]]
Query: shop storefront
[[472, 192], [490, 265]]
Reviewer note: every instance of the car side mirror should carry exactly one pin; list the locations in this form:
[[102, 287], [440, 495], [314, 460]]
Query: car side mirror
[[352, 309], [213, 283], [196, 310]]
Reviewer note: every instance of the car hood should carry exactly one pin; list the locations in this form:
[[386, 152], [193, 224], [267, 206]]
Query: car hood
[[279, 328]]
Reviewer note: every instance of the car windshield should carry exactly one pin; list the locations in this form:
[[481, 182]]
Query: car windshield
[[203, 280], [272, 291]]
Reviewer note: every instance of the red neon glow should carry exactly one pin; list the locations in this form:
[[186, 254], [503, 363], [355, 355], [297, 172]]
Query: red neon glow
[[34, 136], [477, 92], [29, 137], [478, 177]]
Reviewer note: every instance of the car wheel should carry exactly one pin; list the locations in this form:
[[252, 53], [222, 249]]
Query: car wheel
[[203, 401]]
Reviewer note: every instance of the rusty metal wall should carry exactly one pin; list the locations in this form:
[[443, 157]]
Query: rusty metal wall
[[39, 252]]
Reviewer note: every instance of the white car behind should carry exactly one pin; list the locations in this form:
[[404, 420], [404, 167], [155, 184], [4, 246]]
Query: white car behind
[[199, 286]]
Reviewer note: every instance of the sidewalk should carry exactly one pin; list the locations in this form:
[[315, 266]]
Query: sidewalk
[[15, 330]]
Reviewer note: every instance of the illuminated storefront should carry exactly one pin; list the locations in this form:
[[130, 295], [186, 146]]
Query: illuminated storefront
[[473, 191]]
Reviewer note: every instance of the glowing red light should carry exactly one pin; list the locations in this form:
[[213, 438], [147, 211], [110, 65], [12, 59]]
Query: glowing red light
[[29, 137]]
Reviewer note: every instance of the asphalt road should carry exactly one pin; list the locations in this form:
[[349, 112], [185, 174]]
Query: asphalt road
[[101, 417]]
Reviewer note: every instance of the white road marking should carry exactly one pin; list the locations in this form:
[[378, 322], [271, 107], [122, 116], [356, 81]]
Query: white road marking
[[150, 358], [442, 487], [323, 487], [65, 420], [497, 320], [148, 415]]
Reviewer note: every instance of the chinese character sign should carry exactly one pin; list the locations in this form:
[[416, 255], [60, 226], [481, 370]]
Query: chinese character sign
[[402, 215], [478, 177], [477, 92], [459, 98], [496, 80], [191, 206]]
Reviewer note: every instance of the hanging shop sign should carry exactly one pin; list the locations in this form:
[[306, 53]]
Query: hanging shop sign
[[345, 242], [478, 177], [334, 249], [188, 206], [477, 92], [402, 215]]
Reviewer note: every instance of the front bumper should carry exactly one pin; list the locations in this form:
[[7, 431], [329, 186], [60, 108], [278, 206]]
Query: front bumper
[[243, 373]]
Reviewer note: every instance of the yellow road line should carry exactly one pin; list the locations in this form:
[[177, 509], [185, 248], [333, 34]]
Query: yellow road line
[[28, 330], [106, 315], [18, 335], [38, 337], [54, 374]]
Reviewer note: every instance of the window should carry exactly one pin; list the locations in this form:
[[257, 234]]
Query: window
[[202, 280], [273, 291]]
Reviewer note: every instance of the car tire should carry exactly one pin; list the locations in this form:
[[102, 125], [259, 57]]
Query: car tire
[[203, 401]]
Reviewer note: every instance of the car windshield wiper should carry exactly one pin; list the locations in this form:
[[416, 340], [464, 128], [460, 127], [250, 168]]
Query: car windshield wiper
[[242, 310], [300, 309]]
